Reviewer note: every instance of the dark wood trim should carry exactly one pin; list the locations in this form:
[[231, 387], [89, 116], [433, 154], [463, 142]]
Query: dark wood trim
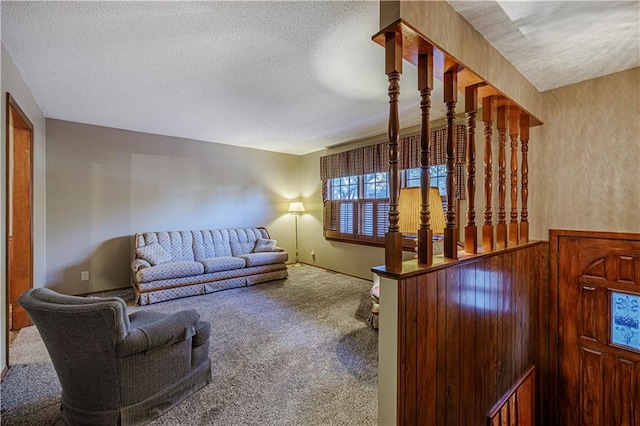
[[425, 85], [393, 69], [501, 226], [471, 230], [12, 105], [450, 83], [514, 128], [411, 268], [528, 376], [5, 369], [487, 225], [524, 193]]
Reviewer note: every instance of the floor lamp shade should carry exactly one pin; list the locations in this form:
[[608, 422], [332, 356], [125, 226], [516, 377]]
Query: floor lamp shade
[[296, 206], [409, 208]]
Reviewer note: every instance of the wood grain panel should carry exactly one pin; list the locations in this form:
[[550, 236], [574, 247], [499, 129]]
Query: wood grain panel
[[480, 319], [592, 387], [589, 311], [452, 338], [468, 286], [626, 379], [427, 348]]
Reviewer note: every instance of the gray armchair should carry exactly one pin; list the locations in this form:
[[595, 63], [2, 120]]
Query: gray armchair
[[118, 369]]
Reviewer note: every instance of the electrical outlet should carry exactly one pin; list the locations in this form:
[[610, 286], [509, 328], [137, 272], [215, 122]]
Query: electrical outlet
[[84, 276], [313, 252]]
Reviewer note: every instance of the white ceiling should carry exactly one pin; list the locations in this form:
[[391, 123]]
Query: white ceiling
[[292, 76]]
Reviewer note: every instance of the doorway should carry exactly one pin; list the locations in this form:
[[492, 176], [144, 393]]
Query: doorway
[[19, 192]]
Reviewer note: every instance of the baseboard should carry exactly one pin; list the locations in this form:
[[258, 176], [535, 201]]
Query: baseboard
[[333, 270], [104, 291]]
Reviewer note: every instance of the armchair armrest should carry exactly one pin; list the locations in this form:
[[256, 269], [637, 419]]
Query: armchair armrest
[[138, 264], [203, 332], [158, 334]]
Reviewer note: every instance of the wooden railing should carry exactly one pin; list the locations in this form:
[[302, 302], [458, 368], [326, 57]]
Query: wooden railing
[[403, 42]]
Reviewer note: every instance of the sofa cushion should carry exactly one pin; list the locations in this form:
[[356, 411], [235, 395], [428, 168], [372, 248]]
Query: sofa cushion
[[211, 243], [257, 259], [264, 245], [154, 254], [170, 270], [243, 240], [223, 263], [178, 243]]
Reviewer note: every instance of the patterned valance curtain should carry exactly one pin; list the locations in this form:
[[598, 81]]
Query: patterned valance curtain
[[375, 158]]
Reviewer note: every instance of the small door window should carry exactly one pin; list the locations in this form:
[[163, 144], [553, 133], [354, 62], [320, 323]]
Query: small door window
[[625, 320]]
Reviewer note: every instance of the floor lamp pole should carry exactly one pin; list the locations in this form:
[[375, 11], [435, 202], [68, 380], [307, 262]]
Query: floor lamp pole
[[297, 259]]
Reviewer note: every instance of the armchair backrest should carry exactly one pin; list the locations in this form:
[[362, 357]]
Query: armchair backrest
[[81, 334]]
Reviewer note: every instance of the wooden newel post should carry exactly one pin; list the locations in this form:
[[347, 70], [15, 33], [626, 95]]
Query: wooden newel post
[[487, 226], [501, 227], [393, 69], [524, 213], [450, 82], [514, 127], [425, 85], [471, 230]]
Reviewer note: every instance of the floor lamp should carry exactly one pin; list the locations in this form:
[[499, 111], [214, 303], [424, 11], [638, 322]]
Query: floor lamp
[[295, 208]]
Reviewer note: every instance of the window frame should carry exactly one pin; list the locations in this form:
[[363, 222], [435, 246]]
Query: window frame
[[359, 206]]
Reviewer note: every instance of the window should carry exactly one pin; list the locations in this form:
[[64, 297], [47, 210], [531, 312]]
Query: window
[[357, 208], [356, 183], [345, 188], [376, 185], [437, 175]]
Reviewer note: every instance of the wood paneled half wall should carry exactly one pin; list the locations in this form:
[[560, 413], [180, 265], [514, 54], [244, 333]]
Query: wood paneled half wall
[[459, 334]]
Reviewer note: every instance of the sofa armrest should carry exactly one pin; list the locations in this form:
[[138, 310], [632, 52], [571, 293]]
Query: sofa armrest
[[159, 334], [276, 248], [138, 264]]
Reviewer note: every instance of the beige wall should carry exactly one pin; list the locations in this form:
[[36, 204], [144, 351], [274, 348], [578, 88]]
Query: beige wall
[[584, 165], [12, 83], [104, 185]]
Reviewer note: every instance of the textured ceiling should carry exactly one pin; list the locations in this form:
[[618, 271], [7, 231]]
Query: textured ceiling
[[291, 77], [557, 43]]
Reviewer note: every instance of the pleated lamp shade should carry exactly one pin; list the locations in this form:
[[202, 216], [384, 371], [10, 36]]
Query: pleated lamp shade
[[409, 209]]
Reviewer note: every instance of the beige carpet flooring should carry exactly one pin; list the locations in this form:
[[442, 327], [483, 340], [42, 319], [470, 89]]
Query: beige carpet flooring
[[292, 352]]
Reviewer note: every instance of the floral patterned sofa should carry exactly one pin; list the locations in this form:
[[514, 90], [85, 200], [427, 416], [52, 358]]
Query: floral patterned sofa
[[170, 265]]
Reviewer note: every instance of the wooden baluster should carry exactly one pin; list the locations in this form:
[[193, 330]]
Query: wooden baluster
[[393, 69], [471, 230], [425, 233], [501, 227], [450, 82], [487, 227], [524, 213], [514, 127]]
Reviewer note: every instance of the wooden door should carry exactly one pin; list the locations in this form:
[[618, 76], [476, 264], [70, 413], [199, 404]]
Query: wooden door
[[19, 211], [597, 325]]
